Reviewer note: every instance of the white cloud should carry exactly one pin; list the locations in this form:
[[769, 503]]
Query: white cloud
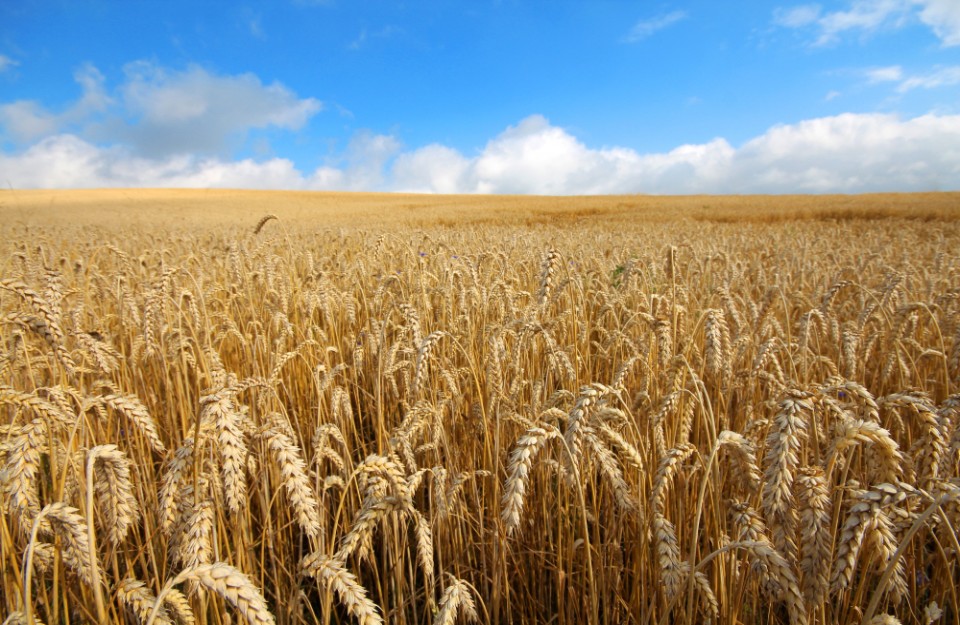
[[431, 169], [644, 28], [364, 162], [892, 73], [6, 63], [847, 153], [939, 77], [796, 17], [194, 111], [853, 153], [157, 112], [942, 77], [66, 161], [943, 16], [26, 120], [867, 17]]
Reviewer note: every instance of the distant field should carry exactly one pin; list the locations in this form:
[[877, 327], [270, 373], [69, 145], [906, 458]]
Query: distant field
[[186, 206], [364, 408]]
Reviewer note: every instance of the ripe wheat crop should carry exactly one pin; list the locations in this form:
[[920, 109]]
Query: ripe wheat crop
[[501, 410]]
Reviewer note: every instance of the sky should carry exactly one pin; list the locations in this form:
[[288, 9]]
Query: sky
[[551, 97]]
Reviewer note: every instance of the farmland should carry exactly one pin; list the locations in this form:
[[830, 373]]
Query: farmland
[[226, 406]]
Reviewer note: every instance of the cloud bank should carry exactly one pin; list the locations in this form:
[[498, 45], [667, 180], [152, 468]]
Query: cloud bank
[[163, 128], [847, 153]]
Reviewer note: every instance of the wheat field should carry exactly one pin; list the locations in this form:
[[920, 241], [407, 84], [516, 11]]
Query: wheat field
[[221, 407]]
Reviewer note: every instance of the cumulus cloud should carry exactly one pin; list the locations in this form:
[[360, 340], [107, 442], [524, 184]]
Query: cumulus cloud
[[156, 112], [866, 17], [647, 27], [847, 153], [194, 111], [26, 120]]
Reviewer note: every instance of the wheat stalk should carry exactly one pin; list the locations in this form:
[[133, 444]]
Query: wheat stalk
[[352, 595], [457, 599], [228, 582]]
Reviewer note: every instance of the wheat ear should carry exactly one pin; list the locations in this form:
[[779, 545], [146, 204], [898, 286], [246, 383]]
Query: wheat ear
[[456, 599], [228, 582], [136, 597], [111, 468], [353, 596], [263, 221], [521, 461], [294, 475]]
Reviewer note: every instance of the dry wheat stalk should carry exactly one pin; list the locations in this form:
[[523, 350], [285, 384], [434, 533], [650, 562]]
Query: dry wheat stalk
[[19, 474], [220, 410], [375, 509], [263, 221], [457, 599], [931, 447], [294, 476], [228, 582], [194, 545], [778, 578], [49, 313], [173, 477], [853, 431], [815, 540], [744, 460], [71, 529], [780, 463], [113, 486], [521, 462], [716, 351], [131, 407], [134, 595], [669, 466], [353, 596], [423, 356], [547, 270], [864, 515], [668, 554], [179, 608]]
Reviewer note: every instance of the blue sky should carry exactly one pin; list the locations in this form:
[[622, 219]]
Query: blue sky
[[478, 96]]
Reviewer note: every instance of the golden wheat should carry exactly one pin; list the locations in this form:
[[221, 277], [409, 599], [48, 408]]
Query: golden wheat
[[436, 409]]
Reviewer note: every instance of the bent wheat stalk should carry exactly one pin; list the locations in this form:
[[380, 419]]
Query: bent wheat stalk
[[228, 582]]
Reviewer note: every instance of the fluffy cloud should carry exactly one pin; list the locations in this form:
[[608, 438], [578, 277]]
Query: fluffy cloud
[[25, 121], [847, 153], [943, 16], [158, 113], [66, 161], [194, 111]]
